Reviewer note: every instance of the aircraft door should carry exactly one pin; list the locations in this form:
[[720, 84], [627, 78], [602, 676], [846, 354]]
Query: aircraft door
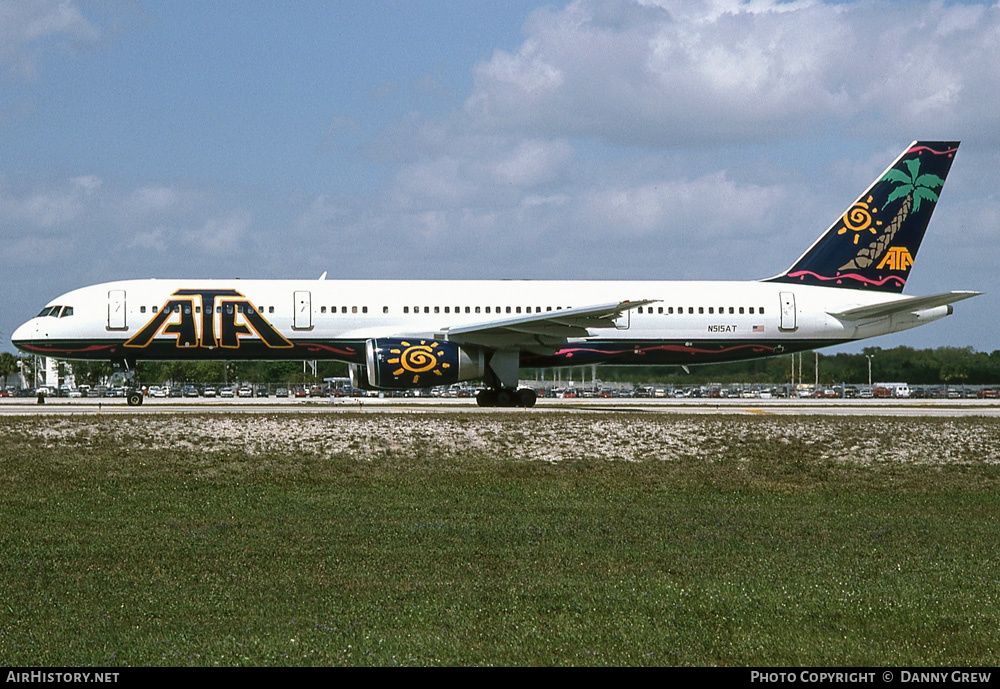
[[788, 311], [116, 310], [302, 320]]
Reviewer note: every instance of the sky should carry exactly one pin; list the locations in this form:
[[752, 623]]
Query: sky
[[593, 139]]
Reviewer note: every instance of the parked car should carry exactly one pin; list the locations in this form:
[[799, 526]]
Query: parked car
[[245, 391], [226, 392], [209, 391]]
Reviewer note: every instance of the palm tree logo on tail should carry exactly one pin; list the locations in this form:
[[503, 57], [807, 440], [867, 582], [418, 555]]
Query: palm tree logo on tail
[[914, 188]]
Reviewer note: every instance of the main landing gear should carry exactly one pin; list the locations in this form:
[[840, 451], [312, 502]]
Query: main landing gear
[[133, 393], [501, 382], [506, 397]]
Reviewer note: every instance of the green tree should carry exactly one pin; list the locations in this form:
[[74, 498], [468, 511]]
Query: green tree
[[8, 365]]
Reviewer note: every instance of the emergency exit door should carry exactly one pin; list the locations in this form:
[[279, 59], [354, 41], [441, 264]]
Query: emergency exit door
[[788, 311], [116, 310], [302, 318]]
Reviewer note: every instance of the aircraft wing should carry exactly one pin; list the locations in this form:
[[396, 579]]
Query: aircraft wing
[[909, 305], [545, 330]]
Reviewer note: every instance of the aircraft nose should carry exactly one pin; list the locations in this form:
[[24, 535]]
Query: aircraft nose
[[22, 334]]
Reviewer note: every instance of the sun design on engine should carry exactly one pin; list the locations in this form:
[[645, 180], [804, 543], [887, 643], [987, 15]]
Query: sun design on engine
[[859, 218], [418, 359]]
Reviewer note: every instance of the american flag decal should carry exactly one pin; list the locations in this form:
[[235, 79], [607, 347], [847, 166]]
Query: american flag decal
[[758, 328]]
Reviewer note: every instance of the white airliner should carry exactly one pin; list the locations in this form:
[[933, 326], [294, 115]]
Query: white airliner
[[397, 334]]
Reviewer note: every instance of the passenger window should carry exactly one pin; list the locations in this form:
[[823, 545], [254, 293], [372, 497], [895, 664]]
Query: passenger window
[[354, 309], [406, 309], [322, 309], [751, 310], [142, 309], [270, 309], [741, 310], [760, 310], [701, 309], [732, 310], [385, 309], [155, 308]]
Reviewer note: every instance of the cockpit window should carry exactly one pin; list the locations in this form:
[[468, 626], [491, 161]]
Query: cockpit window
[[56, 311]]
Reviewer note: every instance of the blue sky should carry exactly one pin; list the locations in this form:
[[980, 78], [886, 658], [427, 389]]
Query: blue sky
[[612, 139]]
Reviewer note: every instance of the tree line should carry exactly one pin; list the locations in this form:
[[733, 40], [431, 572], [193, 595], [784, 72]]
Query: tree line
[[940, 366]]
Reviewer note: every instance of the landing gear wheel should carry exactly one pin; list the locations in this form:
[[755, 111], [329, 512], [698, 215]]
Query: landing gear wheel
[[506, 397], [134, 398]]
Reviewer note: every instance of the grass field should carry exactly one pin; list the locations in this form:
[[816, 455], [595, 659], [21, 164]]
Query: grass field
[[510, 538]]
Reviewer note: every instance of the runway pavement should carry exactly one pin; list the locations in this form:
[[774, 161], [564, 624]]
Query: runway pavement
[[836, 407]]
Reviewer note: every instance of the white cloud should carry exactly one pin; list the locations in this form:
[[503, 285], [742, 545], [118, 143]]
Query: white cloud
[[29, 28], [48, 208], [674, 72]]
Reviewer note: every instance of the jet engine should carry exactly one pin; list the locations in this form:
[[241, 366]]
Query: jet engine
[[398, 364]]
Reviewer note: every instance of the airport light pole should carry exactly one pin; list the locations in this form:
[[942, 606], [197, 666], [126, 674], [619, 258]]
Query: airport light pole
[[869, 357]]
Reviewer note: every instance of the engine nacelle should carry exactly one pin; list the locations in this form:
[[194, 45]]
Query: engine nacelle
[[359, 377], [398, 364]]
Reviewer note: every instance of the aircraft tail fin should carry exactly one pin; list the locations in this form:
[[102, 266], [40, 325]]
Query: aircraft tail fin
[[874, 243]]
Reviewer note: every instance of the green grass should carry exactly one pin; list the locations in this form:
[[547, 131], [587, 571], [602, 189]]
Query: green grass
[[762, 554]]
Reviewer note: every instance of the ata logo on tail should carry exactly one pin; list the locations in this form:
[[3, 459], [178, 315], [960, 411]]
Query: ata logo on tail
[[198, 312], [897, 258]]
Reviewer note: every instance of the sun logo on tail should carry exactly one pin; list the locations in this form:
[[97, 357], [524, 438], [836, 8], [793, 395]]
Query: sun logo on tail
[[859, 218]]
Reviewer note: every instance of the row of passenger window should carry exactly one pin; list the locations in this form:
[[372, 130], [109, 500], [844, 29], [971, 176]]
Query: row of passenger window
[[450, 309], [63, 311], [669, 310], [482, 309], [240, 308]]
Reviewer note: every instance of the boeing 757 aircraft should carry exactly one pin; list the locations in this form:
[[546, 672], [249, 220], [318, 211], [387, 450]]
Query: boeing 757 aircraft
[[397, 334]]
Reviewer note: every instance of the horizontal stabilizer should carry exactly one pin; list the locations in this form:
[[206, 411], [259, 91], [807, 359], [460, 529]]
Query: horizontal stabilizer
[[906, 305]]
